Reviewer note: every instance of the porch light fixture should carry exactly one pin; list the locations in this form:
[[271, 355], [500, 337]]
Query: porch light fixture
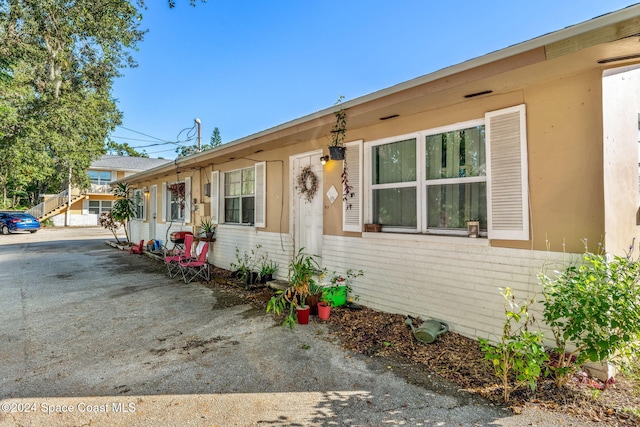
[[145, 190], [324, 160]]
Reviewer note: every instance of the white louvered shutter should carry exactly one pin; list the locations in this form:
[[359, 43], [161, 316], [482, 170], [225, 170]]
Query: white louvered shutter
[[260, 211], [352, 207], [187, 200], [164, 201], [215, 196], [507, 174]]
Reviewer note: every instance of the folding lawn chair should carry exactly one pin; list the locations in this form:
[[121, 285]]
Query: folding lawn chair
[[173, 259], [137, 249], [198, 268]]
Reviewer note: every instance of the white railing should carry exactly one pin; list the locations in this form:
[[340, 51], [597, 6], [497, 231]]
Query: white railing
[[51, 203], [99, 189]]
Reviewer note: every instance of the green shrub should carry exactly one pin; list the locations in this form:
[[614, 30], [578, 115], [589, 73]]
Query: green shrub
[[519, 358], [593, 311]]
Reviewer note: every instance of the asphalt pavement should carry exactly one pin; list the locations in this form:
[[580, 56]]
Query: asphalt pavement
[[94, 336]]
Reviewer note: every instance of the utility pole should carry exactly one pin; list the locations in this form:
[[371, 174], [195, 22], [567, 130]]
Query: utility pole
[[197, 120]]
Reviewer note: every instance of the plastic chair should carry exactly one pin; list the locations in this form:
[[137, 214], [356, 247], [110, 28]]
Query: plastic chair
[[172, 260], [192, 269], [137, 249]]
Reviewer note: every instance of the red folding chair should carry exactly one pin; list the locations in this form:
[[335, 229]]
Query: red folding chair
[[196, 268], [137, 249], [173, 259]]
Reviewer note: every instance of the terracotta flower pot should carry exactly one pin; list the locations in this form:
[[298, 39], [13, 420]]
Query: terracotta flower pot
[[324, 310]]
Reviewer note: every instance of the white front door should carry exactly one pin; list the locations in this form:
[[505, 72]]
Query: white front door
[[307, 215], [153, 210]]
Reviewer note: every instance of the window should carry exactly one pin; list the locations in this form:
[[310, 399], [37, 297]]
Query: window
[[100, 177], [176, 196], [99, 206], [394, 184], [455, 178], [431, 181], [138, 203], [435, 180], [176, 201], [239, 196]]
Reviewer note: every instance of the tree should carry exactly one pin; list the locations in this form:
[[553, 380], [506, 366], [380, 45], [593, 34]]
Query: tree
[[59, 60], [124, 149], [124, 208], [216, 139]]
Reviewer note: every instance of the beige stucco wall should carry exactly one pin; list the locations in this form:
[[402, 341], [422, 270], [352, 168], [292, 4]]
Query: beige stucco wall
[[564, 133], [564, 130]]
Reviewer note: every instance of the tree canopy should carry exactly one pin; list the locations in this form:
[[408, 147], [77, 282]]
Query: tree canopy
[[58, 63]]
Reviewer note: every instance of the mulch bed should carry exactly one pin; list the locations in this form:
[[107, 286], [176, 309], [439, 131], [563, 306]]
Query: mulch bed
[[458, 359]]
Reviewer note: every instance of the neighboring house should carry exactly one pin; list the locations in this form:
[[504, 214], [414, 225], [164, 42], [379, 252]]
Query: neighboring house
[[539, 141], [87, 205]]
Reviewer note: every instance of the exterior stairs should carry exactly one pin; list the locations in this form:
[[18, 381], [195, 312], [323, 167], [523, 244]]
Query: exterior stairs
[[56, 204]]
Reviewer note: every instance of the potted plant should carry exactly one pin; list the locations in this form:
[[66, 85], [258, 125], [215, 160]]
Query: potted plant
[[324, 310], [292, 300], [267, 269], [336, 294], [207, 227], [314, 297], [338, 134], [473, 228], [245, 266]]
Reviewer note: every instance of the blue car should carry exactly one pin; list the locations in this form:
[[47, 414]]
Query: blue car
[[11, 222]]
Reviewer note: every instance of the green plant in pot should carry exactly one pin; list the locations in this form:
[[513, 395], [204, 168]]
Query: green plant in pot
[[336, 294], [292, 300], [338, 134], [267, 270], [207, 227], [245, 267]]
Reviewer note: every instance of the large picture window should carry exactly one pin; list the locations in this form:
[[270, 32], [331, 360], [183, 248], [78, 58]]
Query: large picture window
[[239, 196], [432, 181]]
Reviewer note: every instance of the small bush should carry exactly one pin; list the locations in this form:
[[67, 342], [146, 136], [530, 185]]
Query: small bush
[[593, 311], [519, 358]]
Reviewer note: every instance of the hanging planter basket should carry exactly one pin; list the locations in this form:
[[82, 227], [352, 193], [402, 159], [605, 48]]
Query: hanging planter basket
[[336, 152]]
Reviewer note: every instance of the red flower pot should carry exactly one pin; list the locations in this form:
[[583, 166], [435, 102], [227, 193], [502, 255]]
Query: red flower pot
[[303, 314]]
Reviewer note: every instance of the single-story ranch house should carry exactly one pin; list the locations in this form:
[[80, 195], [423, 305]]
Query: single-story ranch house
[[538, 141]]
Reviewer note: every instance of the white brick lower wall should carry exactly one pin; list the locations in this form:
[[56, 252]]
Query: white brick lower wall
[[457, 280], [278, 247], [454, 279]]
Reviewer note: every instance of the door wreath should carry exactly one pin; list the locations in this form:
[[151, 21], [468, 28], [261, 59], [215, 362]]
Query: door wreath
[[307, 183]]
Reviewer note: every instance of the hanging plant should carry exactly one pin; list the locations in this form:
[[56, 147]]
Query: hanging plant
[[307, 183], [347, 189]]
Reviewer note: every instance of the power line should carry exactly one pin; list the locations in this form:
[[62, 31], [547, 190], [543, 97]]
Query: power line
[[144, 134]]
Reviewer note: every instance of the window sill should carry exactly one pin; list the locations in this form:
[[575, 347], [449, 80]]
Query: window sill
[[417, 237]]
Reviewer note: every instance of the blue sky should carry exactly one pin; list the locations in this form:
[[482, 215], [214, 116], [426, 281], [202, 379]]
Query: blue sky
[[248, 65]]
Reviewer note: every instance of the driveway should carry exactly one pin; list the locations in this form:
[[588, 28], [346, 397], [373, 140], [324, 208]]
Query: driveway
[[94, 336]]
